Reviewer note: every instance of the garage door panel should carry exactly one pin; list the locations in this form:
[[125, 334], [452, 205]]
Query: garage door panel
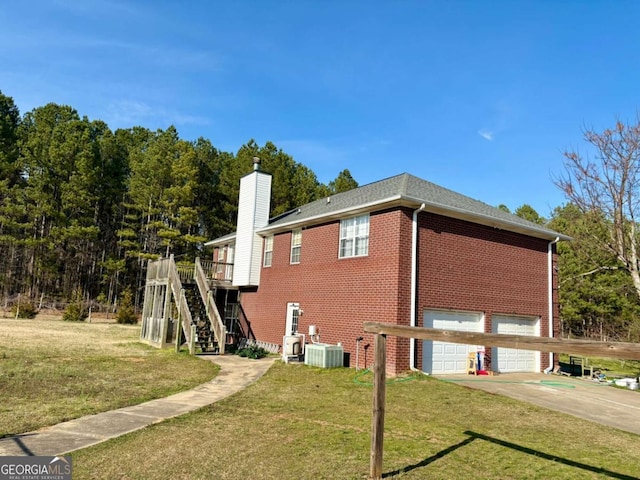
[[443, 357], [511, 359], [450, 349]]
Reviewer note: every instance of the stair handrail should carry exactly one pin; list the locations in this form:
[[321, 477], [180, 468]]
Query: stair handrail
[[181, 300], [245, 324], [217, 325]]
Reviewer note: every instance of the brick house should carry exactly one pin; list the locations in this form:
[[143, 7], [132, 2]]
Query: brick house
[[401, 250]]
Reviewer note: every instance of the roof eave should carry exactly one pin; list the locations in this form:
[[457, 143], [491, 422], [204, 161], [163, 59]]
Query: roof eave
[[402, 201], [488, 221], [221, 240], [392, 201]]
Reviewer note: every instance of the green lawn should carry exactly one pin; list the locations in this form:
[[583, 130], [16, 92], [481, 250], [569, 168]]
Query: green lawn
[[300, 422], [610, 367], [52, 371]]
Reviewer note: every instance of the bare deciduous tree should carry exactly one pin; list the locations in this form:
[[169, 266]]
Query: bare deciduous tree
[[606, 185]]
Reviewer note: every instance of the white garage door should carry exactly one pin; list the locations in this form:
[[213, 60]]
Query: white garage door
[[443, 357], [510, 359]]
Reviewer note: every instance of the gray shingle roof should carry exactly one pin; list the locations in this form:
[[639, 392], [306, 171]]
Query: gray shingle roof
[[407, 190], [402, 190]]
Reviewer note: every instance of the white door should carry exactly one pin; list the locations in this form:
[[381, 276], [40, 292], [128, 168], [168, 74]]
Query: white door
[[510, 359], [442, 357], [293, 314]]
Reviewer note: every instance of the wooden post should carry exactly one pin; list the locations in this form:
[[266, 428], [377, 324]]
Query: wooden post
[[153, 334], [178, 334], [179, 324], [379, 393], [192, 341], [166, 311], [618, 350]]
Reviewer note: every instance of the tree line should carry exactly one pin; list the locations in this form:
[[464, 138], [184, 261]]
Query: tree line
[[83, 208]]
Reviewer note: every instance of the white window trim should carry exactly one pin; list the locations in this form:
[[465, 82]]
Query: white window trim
[[296, 235], [268, 248], [355, 236]]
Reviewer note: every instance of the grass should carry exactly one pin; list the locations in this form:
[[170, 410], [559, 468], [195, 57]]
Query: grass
[[617, 368], [309, 423], [611, 367], [52, 371]]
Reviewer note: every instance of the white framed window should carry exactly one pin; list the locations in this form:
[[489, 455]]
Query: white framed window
[[296, 245], [354, 237], [268, 250]]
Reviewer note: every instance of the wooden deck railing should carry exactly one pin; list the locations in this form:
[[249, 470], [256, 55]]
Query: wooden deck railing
[[217, 270], [185, 272], [158, 269]]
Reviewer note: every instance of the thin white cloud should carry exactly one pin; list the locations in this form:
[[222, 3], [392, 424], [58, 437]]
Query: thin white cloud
[[503, 114], [129, 113], [486, 134]]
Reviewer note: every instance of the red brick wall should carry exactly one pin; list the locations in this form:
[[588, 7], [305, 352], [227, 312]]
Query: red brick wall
[[469, 267], [338, 295], [463, 266]]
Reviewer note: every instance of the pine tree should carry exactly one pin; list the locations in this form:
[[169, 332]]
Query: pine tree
[[12, 209]]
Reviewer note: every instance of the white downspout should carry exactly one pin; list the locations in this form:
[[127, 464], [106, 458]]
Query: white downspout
[[550, 292], [414, 283]]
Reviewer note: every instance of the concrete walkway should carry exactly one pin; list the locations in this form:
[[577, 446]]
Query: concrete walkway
[[614, 407], [235, 374]]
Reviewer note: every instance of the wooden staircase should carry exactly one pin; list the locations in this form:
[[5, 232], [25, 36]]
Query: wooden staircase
[[215, 321], [198, 315]]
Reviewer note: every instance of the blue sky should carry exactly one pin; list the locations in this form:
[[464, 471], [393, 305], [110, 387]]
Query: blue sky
[[480, 97]]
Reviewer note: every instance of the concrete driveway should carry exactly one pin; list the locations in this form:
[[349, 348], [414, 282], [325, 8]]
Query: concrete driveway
[[615, 407]]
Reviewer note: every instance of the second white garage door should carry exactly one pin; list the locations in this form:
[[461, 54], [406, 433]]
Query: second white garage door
[[443, 357], [511, 359]]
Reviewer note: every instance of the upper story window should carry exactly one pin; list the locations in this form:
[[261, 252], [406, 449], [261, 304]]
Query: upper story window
[[296, 245], [354, 237], [268, 250]]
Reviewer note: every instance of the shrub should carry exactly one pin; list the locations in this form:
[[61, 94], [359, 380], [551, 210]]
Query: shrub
[[75, 311], [253, 351], [23, 310], [126, 313]]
